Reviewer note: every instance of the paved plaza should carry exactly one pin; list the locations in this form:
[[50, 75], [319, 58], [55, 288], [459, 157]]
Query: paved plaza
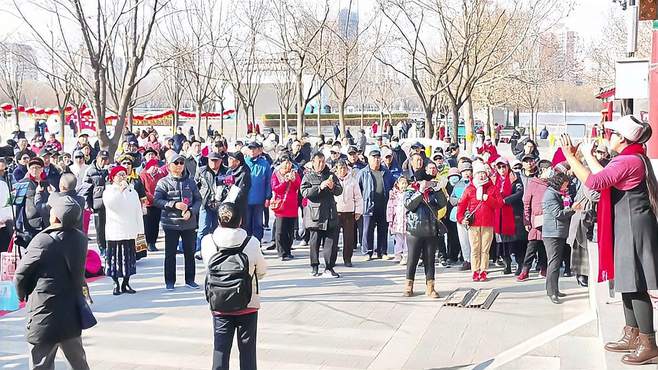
[[359, 321]]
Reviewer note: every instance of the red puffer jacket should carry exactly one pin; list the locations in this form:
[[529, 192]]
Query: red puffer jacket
[[288, 192], [485, 213]]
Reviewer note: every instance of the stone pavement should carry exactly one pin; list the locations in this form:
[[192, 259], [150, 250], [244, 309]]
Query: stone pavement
[[359, 321]]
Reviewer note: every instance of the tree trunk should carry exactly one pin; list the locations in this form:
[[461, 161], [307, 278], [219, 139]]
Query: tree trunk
[[285, 125], [16, 113], [469, 124], [300, 105], [454, 109], [429, 114], [489, 125], [280, 120], [199, 111], [221, 117], [62, 124], [252, 110], [341, 118], [319, 117], [362, 116], [531, 124]]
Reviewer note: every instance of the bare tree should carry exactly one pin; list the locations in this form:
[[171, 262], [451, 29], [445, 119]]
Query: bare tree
[[15, 59], [422, 60], [115, 37]]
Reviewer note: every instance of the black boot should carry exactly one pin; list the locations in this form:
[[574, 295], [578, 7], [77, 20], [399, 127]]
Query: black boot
[[125, 287], [116, 290], [508, 265]]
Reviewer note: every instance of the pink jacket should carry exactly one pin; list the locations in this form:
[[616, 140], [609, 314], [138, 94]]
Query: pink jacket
[[533, 198], [288, 192], [350, 200], [396, 213]]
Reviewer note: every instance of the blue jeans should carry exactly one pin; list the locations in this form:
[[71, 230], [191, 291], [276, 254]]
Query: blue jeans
[[254, 221], [208, 222], [224, 327]]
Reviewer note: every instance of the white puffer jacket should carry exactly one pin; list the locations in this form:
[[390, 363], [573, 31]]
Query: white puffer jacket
[[225, 238], [350, 200], [123, 212]]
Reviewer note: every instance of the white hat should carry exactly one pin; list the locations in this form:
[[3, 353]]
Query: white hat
[[479, 166], [628, 126]]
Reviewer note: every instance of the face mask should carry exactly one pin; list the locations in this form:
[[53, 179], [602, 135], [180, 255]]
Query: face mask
[[453, 180], [395, 144]]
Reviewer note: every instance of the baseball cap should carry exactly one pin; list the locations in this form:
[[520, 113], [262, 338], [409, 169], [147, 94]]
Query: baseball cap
[[417, 145], [214, 155], [352, 149], [150, 150], [103, 154], [175, 157], [253, 145], [529, 156], [375, 153], [35, 160], [627, 126], [501, 160], [465, 166]]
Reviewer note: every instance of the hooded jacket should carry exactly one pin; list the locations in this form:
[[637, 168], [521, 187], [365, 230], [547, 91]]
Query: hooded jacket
[[366, 180], [50, 276], [225, 238]]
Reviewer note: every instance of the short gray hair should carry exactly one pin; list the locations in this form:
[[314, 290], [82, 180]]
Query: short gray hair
[[68, 181]]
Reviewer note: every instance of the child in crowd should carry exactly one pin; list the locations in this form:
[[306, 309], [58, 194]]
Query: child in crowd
[[395, 216]]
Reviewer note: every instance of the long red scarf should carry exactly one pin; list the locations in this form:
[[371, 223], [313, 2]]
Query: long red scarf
[[605, 233]]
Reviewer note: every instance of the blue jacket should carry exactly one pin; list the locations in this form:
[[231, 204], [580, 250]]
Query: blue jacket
[[261, 177], [367, 185]]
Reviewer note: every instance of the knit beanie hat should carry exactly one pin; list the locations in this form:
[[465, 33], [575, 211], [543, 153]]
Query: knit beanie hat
[[114, 171], [151, 163]]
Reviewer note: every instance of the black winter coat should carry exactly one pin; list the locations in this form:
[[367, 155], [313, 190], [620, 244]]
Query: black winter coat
[[320, 211], [97, 177], [422, 218], [51, 275], [171, 190]]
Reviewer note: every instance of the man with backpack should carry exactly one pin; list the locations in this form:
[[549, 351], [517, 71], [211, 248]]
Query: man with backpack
[[234, 264]]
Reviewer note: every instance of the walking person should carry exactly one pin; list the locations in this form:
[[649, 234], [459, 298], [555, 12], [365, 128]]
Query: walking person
[[349, 205], [424, 228], [396, 216], [627, 226], [50, 276], [226, 240], [480, 199], [375, 182], [150, 177], [124, 221], [555, 231], [179, 199], [319, 187], [285, 186]]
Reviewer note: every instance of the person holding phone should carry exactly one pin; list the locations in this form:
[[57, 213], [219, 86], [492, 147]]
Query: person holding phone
[[627, 225], [32, 213]]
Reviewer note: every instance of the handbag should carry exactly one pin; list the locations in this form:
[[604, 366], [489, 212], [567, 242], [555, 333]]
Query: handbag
[[140, 243], [277, 203], [8, 296], [9, 261]]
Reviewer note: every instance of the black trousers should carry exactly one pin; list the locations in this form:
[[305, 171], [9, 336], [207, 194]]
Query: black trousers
[[266, 217], [328, 238], [554, 250], [284, 234], [566, 257], [188, 238], [347, 223], [224, 327], [417, 247], [454, 248], [535, 250], [377, 220], [520, 247], [152, 224], [99, 224]]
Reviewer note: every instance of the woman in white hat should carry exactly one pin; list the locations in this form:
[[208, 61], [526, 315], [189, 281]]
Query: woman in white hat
[[626, 219]]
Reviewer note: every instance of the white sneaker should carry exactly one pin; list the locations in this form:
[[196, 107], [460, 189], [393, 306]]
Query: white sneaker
[[302, 243], [403, 261]]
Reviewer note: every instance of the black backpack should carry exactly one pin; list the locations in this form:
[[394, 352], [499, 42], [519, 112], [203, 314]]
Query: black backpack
[[228, 282]]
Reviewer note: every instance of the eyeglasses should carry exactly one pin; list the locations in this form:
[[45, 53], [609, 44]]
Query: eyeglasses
[[179, 163], [25, 158], [126, 163], [501, 166]]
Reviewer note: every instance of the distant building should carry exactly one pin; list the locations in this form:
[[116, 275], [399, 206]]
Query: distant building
[[19, 60], [348, 22]]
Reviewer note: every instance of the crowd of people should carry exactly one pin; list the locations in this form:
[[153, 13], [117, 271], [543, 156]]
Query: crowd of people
[[471, 210]]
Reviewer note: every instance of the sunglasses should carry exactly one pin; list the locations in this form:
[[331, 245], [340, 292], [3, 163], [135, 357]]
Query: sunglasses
[[79, 157], [501, 166], [126, 163], [179, 163]]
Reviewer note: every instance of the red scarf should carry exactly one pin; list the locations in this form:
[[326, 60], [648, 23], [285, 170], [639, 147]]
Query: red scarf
[[605, 224]]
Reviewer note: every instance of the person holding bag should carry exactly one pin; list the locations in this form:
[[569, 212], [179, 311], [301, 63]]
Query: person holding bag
[[51, 276], [123, 223], [476, 210], [285, 186]]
